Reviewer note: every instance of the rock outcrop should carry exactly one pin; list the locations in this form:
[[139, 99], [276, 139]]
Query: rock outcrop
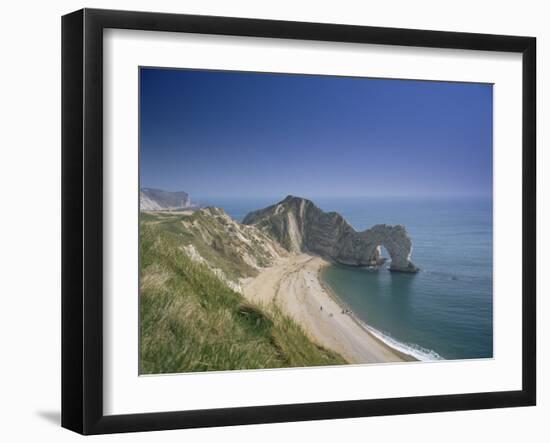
[[300, 226], [158, 200]]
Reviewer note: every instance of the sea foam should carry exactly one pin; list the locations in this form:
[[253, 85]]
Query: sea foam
[[415, 351]]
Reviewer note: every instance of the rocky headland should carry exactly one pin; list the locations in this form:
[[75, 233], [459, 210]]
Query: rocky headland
[[300, 226], [158, 200]]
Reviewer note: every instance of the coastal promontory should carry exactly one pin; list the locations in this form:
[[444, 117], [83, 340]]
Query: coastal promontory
[[158, 200], [300, 226]]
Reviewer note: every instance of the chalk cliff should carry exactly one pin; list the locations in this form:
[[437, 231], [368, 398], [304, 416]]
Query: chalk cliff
[[300, 226], [159, 200]]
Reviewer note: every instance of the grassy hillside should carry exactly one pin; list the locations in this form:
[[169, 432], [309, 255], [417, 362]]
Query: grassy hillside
[[190, 318]]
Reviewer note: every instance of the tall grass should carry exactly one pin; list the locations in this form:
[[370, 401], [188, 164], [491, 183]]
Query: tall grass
[[190, 320]]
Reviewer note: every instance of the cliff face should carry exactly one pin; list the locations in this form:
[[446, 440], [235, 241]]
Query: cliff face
[[300, 226], [158, 200], [247, 247]]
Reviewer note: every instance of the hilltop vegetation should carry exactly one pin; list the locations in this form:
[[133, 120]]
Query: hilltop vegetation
[[193, 317]]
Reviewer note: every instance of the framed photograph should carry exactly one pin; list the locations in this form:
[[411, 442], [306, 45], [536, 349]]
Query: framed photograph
[[269, 221]]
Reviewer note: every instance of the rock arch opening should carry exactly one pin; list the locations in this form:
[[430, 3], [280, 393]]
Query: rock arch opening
[[395, 242]]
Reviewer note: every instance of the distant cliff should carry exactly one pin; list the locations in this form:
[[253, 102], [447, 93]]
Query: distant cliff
[[300, 226], [158, 200]]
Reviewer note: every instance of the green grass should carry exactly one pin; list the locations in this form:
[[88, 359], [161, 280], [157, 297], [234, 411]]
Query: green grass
[[192, 321]]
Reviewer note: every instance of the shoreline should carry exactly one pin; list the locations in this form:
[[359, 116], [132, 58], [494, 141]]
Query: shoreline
[[295, 285], [356, 319]]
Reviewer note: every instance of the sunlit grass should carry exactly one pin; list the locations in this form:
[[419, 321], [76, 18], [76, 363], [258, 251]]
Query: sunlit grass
[[192, 321]]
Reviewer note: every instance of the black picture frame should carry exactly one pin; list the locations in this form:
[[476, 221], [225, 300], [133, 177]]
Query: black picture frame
[[82, 218]]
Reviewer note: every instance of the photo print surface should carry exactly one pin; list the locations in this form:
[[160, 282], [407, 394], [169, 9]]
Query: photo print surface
[[292, 220]]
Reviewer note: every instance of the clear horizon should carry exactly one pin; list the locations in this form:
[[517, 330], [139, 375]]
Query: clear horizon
[[220, 134]]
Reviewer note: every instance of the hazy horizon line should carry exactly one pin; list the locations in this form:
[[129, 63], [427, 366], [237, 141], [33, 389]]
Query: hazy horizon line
[[312, 197], [282, 195]]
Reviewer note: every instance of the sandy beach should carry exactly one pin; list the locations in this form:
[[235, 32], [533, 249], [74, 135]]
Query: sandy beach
[[294, 285]]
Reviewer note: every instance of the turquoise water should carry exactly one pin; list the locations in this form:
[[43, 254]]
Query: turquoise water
[[445, 310]]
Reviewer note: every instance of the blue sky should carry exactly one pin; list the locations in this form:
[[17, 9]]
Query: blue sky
[[236, 134]]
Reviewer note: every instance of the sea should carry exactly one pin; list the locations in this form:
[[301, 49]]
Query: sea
[[445, 311]]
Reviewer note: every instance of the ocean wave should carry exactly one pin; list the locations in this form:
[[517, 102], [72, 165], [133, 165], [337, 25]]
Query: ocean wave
[[411, 349]]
